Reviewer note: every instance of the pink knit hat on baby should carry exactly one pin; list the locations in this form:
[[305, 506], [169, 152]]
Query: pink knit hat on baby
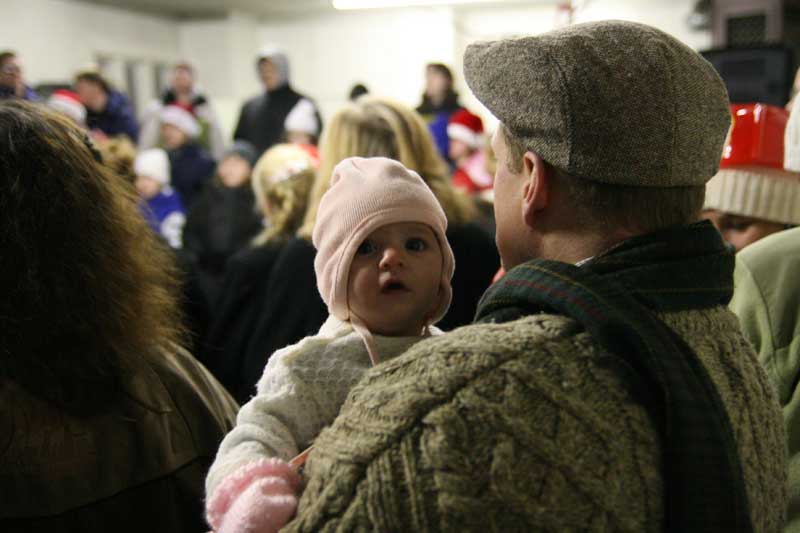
[[364, 195]]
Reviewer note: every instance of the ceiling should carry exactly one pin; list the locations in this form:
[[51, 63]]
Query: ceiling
[[199, 9], [193, 9]]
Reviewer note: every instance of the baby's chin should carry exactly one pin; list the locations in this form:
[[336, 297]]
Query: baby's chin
[[394, 330]]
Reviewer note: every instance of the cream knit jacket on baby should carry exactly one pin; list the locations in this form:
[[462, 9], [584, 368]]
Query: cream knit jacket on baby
[[300, 393]]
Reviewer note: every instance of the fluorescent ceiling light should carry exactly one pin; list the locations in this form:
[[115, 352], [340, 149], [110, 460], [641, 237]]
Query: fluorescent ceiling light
[[375, 4]]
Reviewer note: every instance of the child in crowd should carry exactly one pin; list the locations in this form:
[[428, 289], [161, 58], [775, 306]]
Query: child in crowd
[[223, 219], [191, 164], [465, 131], [161, 206], [119, 154], [383, 269]]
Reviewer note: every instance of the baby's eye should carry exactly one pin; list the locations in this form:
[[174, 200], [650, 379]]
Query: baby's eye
[[416, 245], [366, 248]]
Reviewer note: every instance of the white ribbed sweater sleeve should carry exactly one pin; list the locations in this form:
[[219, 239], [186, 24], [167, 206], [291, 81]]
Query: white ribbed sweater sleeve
[[301, 391]]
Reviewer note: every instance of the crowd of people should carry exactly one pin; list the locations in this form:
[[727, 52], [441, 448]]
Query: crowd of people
[[587, 319]]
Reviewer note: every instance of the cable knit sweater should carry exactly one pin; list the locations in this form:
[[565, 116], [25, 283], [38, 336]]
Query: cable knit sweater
[[300, 393], [527, 426]]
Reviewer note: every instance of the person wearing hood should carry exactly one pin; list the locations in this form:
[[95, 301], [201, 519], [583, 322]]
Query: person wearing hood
[[262, 118], [108, 112]]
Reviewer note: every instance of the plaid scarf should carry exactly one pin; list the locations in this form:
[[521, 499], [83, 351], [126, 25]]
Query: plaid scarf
[[614, 297]]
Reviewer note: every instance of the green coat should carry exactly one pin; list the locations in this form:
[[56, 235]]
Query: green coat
[[767, 301], [527, 426]]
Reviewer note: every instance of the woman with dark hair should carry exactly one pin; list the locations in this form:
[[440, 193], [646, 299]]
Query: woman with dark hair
[[439, 102], [108, 424]]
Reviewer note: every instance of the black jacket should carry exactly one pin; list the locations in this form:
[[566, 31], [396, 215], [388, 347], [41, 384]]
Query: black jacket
[[221, 222], [262, 117]]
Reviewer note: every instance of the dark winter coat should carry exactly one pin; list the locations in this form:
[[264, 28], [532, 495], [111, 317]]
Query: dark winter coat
[[139, 465], [116, 119], [191, 167], [262, 117], [222, 221]]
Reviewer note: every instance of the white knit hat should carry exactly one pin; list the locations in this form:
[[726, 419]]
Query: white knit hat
[[181, 119], [69, 103], [791, 141], [302, 118], [764, 193], [154, 164], [366, 194]]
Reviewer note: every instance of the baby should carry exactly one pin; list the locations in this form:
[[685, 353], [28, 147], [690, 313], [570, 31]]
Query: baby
[[383, 269]]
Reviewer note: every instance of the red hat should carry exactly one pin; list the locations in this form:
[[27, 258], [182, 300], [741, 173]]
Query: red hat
[[752, 180], [756, 136], [68, 103], [466, 127]]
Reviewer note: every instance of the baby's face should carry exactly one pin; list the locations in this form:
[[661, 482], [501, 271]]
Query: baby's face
[[395, 279]]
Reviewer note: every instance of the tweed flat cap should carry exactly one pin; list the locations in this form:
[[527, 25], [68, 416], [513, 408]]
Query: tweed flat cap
[[612, 101]]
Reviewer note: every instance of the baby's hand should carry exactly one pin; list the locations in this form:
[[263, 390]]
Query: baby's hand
[[259, 497]]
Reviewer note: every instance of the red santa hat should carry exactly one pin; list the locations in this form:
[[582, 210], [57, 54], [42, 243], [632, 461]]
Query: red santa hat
[[752, 180], [466, 127], [69, 103], [181, 119]]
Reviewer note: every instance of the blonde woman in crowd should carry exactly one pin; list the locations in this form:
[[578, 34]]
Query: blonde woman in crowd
[[281, 182], [370, 127]]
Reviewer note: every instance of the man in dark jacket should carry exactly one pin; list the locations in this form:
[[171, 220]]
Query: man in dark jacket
[[108, 112], [262, 118]]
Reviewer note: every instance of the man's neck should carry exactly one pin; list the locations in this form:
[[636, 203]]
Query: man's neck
[[574, 247]]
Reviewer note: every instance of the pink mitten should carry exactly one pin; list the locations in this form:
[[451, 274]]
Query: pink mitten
[[259, 497]]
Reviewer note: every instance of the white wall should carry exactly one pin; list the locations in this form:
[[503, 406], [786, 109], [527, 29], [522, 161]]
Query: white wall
[[56, 38], [222, 53], [387, 49], [329, 51], [486, 23], [384, 49]]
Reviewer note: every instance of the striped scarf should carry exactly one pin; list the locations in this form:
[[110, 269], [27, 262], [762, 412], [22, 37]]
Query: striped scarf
[[614, 296]]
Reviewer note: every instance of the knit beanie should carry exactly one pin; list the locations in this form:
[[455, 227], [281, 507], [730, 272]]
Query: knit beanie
[[466, 127], [154, 164], [243, 149], [69, 103], [181, 119], [366, 194], [752, 180], [302, 118]]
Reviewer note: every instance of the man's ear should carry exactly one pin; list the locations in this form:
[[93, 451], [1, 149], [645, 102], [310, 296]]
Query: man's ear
[[537, 185]]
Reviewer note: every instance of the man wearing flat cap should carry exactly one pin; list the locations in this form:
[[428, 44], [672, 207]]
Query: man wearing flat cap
[[604, 384]]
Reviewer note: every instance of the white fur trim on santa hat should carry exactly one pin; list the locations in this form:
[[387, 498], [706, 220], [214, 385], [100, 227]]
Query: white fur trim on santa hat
[[154, 164], [68, 103], [462, 133], [181, 119], [302, 118], [764, 193], [791, 140]]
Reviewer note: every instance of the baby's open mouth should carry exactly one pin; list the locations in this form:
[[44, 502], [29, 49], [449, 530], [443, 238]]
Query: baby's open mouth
[[393, 286]]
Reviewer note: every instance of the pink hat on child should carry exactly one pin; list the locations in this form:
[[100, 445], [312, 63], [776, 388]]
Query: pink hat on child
[[366, 194]]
